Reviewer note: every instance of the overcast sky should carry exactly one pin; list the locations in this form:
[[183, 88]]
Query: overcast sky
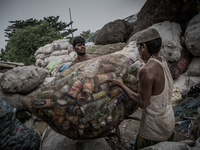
[[86, 14]]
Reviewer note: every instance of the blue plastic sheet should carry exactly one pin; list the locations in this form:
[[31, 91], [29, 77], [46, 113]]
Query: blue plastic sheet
[[65, 66]]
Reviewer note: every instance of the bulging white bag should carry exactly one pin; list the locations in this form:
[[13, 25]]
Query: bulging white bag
[[171, 40], [192, 36], [131, 51]]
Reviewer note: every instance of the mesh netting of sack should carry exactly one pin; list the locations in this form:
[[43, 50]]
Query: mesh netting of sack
[[80, 104]]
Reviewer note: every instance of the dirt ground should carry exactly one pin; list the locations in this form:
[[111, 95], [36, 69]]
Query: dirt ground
[[128, 131]]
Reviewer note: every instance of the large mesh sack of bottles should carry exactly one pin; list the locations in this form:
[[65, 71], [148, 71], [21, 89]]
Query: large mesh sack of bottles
[[80, 104]]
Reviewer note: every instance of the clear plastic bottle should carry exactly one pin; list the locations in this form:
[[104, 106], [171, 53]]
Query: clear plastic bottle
[[91, 69], [133, 67]]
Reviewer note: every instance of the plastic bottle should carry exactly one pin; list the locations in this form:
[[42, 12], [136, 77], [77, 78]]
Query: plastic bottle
[[95, 124], [64, 73], [104, 87], [109, 119], [129, 78], [43, 103], [124, 71], [59, 113], [74, 109], [88, 86], [75, 120], [91, 107], [115, 91], [70, 100], [99, 95], [105, 68], [58, 94], [115, 102], [77, 86], [49, 112], [91, 69], [104, 77], [101, 112], [118, 70], [133, 67], [81, 98]]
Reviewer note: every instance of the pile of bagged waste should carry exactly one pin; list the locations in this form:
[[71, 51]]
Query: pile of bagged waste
[[80, 104], [19, 128], [20, 81], [14, 134], [191, 76], [105, 49], [54, 55]]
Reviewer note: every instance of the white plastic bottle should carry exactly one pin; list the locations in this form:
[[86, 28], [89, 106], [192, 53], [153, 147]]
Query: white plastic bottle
[[91, 69]]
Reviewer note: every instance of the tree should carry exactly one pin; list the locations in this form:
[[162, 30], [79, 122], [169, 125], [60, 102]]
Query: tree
[[53, 21], [59, 26], [24, 42], [36, 33], [2, 54], [86, 34], [20, 24]]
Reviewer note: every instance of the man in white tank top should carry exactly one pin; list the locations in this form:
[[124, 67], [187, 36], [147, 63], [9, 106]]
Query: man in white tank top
[[154, 92]]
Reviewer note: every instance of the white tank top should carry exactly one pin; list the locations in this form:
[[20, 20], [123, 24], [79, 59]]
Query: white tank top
[[158, 121]]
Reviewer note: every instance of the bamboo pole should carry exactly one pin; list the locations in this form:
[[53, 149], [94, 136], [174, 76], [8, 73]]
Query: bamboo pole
[[71, 24]]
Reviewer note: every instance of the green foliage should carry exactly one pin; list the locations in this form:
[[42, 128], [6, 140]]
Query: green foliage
[[20, 24], [86, 34], [53, 21], [25, 37], [24, 42], [60, 26], [2, 54]]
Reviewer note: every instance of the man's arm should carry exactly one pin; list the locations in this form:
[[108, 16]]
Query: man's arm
[[144, 88]]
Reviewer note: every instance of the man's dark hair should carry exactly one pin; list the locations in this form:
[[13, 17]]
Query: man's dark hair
[[77, 40], [153, 45]]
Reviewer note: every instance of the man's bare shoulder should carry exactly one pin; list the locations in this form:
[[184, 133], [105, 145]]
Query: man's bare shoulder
[[149, 69], [144, 69]]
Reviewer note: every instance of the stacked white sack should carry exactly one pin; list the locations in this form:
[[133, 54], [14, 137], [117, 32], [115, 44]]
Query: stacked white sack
[[57, 50], [171, 40], [185, 82], [190, 78], [131, 51], [192, 75], [192, 36]]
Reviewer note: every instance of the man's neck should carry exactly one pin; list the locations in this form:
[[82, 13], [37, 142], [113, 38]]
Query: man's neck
[[82, 57]]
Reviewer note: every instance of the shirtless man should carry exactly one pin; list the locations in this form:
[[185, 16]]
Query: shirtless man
[[154, 92], [80, 49]]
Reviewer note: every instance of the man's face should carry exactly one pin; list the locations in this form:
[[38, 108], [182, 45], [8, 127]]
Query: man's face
[[80, 48], [140, 51]]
